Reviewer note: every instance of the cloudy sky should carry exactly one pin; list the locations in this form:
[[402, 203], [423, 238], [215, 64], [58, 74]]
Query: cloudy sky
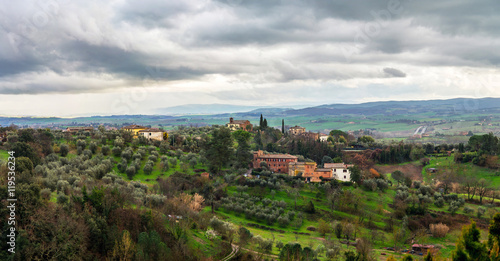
[[69, 58]]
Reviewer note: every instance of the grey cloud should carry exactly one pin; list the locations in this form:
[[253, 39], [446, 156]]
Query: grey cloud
[[303, 40], [391, 72]]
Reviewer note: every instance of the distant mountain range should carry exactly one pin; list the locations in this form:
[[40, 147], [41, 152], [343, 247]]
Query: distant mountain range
[[202, 113], [388, 108]]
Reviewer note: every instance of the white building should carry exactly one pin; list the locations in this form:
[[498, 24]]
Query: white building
[[151, 134], [340, 171]]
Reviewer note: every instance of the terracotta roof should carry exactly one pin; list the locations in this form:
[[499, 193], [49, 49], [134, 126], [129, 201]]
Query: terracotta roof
[[323, 170], [335, 165], [239, 122], [151, 130], [297, 127], [277, 156], [134, 127], [303, 163]]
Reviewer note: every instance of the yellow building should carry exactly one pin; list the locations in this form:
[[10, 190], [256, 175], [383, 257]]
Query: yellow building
[[134, 129]]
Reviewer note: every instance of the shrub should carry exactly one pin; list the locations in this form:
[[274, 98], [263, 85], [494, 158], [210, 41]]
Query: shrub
[[468, 210], [309, 208], [323, 227], [105, 150], [130, 172], [153, 158], [382, 184], [93, 147], [439, 202], [454, 206], [370, 185], [480, 212], [45, 193], [64, 150], [283, 221], [439, 230], [62, 199], [172, 162], [116, 151], [148, 168]]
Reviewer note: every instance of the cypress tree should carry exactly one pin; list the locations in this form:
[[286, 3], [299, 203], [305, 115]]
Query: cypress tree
[[261, 121], [283, 126]]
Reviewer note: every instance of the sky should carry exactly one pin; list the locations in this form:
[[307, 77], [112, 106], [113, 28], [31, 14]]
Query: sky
[[75, 58]]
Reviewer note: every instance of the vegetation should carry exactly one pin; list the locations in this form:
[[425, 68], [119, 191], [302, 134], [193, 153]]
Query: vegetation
[[105, 194]]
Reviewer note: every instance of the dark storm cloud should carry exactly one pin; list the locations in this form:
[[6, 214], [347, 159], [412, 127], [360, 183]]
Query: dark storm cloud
[[188, 40], [127, 64], [394, 72]]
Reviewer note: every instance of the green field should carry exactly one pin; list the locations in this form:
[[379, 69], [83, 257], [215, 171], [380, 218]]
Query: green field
[[462, 169]]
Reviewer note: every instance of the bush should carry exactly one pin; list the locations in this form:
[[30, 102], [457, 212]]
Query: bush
[[382, 184], [439, 230], [105, 150], [116, 151], [309, 208], [439, 202], [283, 221], [369, 185], [454, 206], [45, 193], [64, 150], [172, 162], [130, 172], [148, 168], [62, 199], [468, 210], [480, 212]]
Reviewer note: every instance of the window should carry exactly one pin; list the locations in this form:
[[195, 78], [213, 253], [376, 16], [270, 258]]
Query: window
[[345, 170], [345, 177]]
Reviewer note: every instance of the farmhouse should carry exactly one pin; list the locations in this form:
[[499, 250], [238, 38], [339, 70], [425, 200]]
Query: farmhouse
[[151, 134], [309, 171], [239, 124], [275, 162], [297, 130], [134, 128], [340, 171]]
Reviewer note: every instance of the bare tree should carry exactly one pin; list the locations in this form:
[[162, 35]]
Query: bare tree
[[482, 189], [469, 186]]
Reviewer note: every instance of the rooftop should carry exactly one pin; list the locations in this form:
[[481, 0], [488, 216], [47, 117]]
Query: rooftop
[[134, 127], [151, 130], [335, 165], [277, 156]]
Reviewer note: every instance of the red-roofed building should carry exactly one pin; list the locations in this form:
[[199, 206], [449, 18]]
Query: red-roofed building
[[239, 124], [275, 162]]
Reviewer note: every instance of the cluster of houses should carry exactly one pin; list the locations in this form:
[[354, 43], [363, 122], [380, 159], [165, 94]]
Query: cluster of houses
[[279, 163], [295, 130], [289, 164], [136, 130], [148, 133]]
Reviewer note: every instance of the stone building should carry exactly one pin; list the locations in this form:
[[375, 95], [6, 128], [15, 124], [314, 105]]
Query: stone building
[[297, 130], [276, 162], [239, 124]]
